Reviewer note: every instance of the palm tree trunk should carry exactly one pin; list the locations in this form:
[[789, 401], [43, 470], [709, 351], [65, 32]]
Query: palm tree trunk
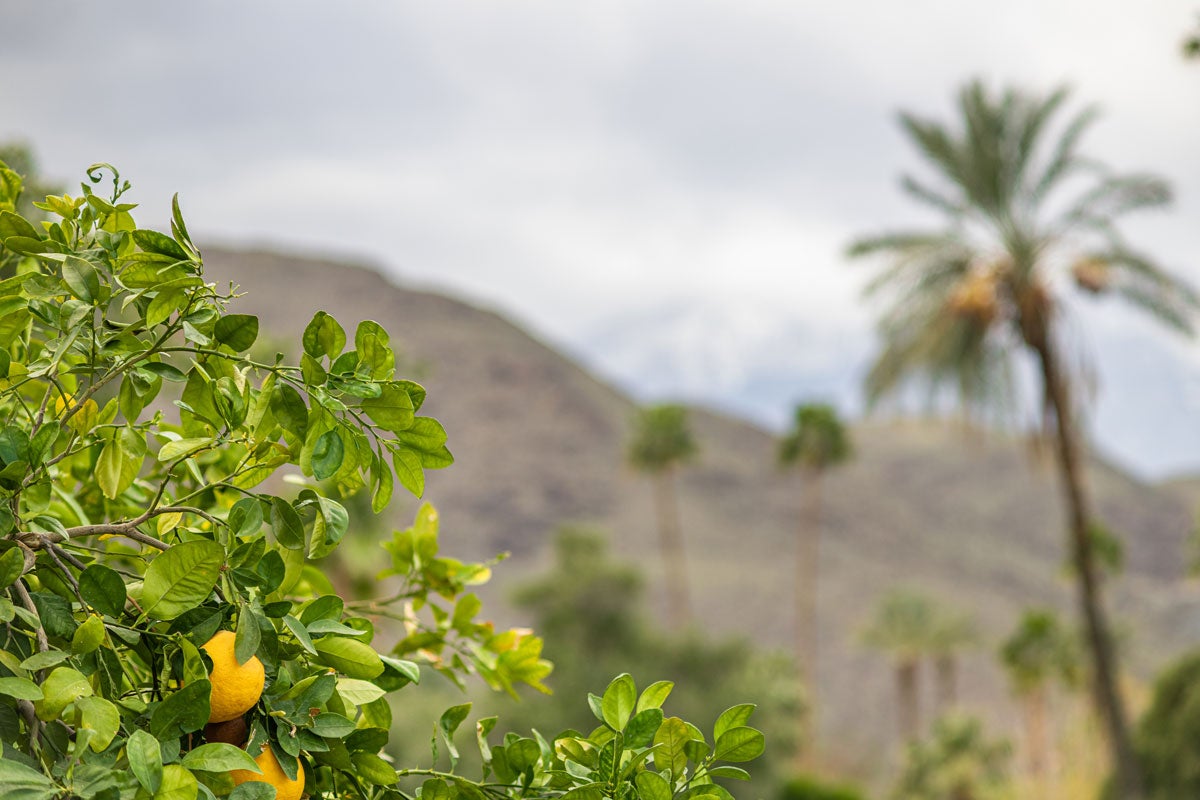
[[908, 713], [1107, 698], [670, 541], [946, 675], [1036, 738], [808, 554]]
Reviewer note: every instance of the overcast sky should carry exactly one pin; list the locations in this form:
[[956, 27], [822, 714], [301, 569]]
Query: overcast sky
[[663, 187]]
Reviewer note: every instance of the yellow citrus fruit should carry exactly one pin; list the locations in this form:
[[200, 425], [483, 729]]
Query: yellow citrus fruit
[[272, 773], [235, 687]]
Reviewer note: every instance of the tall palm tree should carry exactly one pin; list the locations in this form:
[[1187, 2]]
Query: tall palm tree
[[662, 440], [987, 285], [1039, 652], [817, 441], [903, 627]]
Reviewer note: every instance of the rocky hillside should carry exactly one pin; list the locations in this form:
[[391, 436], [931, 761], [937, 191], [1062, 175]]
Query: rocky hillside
[[540, 443]]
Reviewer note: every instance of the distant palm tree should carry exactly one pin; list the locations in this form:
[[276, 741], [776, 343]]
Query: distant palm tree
[[1039, 652], [661, 442], [817, 441], [903, 627], [952, 633], [983, 287]]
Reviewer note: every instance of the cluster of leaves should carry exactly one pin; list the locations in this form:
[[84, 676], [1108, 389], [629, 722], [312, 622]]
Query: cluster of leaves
[[137, 521], [958, 761], [132, 533], [635, 753]]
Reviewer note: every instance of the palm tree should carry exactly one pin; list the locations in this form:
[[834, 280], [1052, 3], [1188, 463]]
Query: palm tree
[[1039, 652], [661, 442], [903, 627], [971, 295], [817, 441]]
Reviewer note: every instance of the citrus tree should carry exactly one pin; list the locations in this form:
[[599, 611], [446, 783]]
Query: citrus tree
[[165, 500]]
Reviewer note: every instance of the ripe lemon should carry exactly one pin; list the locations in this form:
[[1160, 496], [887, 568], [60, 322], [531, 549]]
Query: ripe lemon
[[272, 773], [235, 687]]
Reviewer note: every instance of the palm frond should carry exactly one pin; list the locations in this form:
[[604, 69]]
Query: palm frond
[[938, 146], [1064, 160], [932, 197], [1034, 119], [1113, 197]]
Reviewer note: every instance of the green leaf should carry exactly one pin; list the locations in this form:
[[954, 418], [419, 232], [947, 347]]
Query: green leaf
[[729, 771], [248, 636], [110, 469], [20, 688], [181, 578], [155, 242], [301, 634], [327, 455], [739, 744], [19, 782], [324, 626], [358, 692], [88, 636], [183, 447], [253, 790], [219, 757], [177, 784], [448, 723], [14, 225], [237, 331], [642, 727], [145, 760], [103, 589], [392, 410], [167, 372], [408, 470], [324, 336], [101, 718], [62, 687], [350, 657], [374, 354], [178, 228], [163, 305], [47, 658], [426, 435], [286, 523], [289, 409], [332, 726], [12, 561], [81, 278], [670, 741], [652, 786], [374, 769], [654, 695], [182, 712], [591, 791], [733, 717], [618, 701]]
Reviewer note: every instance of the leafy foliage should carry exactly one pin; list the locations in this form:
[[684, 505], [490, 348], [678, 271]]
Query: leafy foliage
[[661, 438], [159, 485], [958, 762], [1041, 650], [818, 438], [1168, 738], [590, 608], [807, 788]]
